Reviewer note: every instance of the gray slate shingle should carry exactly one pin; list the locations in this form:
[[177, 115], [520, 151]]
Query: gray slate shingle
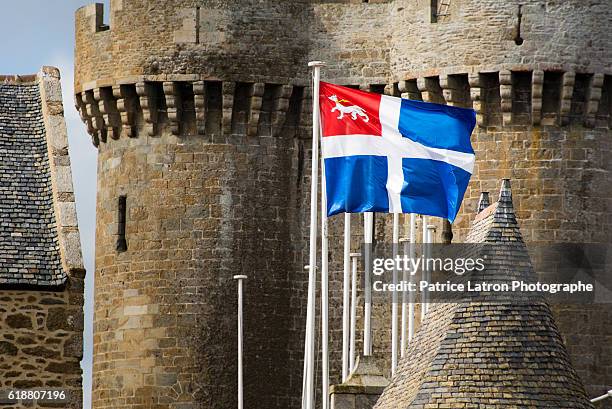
[[29, 249], [489, 354]]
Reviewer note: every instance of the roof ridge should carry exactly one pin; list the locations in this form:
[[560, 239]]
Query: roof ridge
[[16, 79], [40, 242]]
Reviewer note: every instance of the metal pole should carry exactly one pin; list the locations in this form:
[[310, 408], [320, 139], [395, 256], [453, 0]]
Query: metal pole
[[425, 220], [404, 319], [354, 257], [412, 295], [346, 297], [240, 279], [408, 298], [324, 293], [430, 239], [394, 295], [308, 386], [368, 224], [602, 397]]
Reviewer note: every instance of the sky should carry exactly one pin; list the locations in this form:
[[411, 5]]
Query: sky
[[34, 33]]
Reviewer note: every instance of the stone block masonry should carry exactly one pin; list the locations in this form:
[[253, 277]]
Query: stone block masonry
[[41, 341]]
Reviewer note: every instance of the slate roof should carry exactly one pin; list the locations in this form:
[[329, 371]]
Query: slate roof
[[29, 247], [488, 354]]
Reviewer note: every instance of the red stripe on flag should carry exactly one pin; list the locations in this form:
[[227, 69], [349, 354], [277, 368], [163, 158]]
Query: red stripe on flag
[[347, 111]]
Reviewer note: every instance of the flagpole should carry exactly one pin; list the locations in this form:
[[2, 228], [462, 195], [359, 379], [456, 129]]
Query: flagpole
[[412, 255], [394, 296], [308, 385], [346, 297], [354, 257], [240, 279], [408, 297], [404, 241], [324, 292], [424, 221], [430, 232], [368, 224]]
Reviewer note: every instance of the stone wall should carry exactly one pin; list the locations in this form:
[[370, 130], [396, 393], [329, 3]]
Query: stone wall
[[234, 40], [41, 341], [484, 35]]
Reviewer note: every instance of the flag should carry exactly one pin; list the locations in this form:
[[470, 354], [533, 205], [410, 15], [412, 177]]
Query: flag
[[393, 155]]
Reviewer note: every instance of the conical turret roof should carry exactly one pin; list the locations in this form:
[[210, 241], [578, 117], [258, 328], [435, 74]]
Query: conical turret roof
[[489, 354]]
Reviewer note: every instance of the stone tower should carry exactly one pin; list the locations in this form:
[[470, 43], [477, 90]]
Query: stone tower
[[199, 109]]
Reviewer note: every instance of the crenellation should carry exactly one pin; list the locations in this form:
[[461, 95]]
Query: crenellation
[[491, 98], [505, 93], [410, 90], [378, 88], [199, 91], [149, 107], [567, 91], [87, 120], [518, 98], [126, 98], [551, 97], [579, 101], [214, 111], [280, 108], [241, 108], [537, 87], [186, 107], [187, 112], [93, 16], [93, 111], [594, 93], [306, 113], [477, 97], [256, 100], [522, 97], [107, 106], [173, 105], [430, 90], [228, 90], [392, 89], [604, 112], [456, 90]]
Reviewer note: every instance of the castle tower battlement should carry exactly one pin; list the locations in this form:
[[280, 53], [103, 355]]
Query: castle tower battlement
[[451, 37], [249, 41]]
